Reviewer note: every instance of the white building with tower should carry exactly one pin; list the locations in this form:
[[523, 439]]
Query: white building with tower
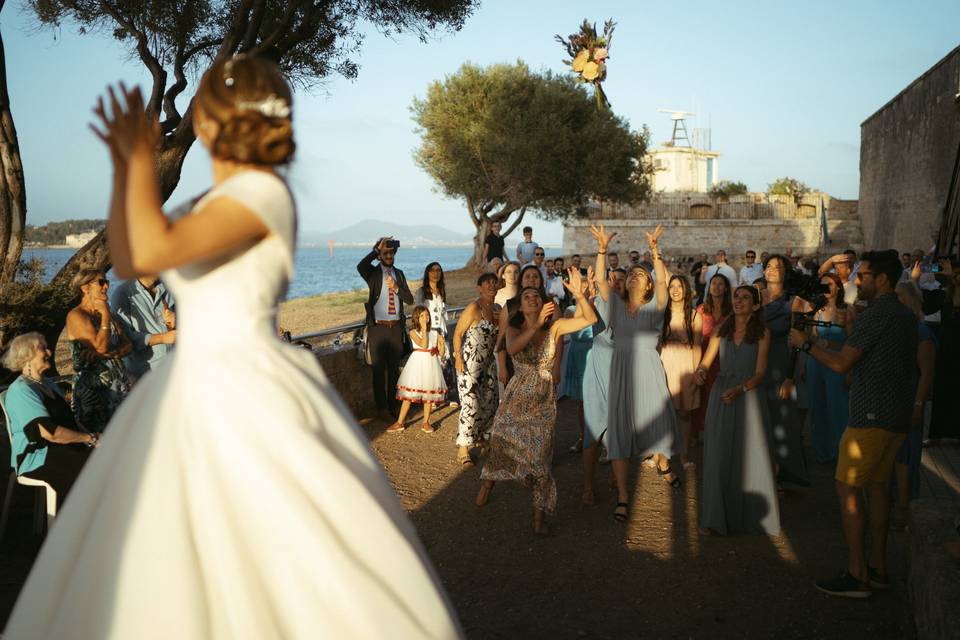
[[683, 164]]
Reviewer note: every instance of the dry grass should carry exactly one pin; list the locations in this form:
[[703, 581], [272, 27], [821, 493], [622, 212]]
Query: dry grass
[[307, 315]]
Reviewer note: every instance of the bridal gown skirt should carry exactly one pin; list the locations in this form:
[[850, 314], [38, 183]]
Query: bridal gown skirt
[[233, 496]]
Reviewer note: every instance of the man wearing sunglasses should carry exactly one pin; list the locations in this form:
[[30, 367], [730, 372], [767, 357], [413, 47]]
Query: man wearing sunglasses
[[878, 354], [751, 271]]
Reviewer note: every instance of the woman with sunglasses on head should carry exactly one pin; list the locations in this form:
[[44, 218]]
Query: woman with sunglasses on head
[[97, 346], [641, 419]]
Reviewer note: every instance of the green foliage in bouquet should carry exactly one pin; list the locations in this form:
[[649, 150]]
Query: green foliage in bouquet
[[589, 54]]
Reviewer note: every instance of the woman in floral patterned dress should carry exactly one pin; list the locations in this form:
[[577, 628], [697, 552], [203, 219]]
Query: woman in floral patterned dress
[[521, 440], [473, 351], [97, 346]]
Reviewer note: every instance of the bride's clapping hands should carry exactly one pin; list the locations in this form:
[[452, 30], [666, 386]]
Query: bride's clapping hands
[[125, 127]]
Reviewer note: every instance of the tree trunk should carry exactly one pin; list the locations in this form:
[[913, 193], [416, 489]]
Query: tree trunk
[[480, 239], [13, 196], [59, 298]]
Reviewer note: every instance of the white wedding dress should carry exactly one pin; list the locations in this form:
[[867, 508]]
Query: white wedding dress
[[233, 495]]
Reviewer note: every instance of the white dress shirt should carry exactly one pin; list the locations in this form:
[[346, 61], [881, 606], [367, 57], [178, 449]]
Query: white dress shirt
[[381, 311]]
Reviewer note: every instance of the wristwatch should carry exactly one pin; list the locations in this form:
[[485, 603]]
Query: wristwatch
[[806, 346]]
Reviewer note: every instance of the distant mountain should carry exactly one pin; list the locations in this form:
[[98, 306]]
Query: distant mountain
[[366, 232]]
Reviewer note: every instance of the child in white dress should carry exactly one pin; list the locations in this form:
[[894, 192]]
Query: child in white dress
[[421, 380]]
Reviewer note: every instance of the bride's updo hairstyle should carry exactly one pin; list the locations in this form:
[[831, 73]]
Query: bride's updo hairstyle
[[250, 100]]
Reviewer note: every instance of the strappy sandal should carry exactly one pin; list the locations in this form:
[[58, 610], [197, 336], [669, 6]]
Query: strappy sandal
[[675, 483], [621, 517]]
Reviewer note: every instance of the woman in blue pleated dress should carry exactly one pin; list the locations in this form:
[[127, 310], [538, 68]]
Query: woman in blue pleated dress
[[596, 380], [641, 419], [739, 491]]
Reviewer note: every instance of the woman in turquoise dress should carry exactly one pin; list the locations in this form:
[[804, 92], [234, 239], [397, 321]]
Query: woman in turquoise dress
[[97, 346], [827, 392], [641, 418]]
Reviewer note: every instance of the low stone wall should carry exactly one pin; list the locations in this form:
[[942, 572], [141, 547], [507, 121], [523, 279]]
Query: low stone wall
[[934, 579], [693, 237], [350, 376]]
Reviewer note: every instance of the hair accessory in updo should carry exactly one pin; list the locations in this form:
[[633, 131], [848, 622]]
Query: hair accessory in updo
[[228, 73], [272, 106]]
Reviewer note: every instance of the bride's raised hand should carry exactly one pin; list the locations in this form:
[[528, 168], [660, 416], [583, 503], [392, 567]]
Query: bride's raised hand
[[126, 129], [602, 237], [653, 238]]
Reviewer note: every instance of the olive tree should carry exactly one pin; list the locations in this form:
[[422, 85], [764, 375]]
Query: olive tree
[[507, 140], [177, 40]]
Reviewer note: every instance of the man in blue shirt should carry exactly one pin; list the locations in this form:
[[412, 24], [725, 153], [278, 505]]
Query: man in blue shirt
[[145, 311]]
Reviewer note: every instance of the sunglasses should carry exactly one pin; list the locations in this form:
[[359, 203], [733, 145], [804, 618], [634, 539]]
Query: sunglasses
[[539, 254], [103, 282]]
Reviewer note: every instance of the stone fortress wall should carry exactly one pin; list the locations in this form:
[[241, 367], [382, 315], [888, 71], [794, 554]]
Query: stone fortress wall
[[697, 223], [907, 153]]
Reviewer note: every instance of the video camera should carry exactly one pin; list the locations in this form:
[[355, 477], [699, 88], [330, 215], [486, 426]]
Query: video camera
[[808, 288]]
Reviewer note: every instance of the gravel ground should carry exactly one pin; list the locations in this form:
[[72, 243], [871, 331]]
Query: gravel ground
[[595, 578]]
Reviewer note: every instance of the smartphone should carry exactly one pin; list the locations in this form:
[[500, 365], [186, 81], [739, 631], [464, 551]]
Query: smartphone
[[393, 244], [935, 268]]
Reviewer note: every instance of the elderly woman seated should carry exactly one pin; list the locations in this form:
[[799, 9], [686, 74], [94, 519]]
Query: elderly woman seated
[[47, 445]]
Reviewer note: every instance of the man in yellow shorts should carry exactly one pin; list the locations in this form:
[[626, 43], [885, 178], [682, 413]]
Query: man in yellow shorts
[[880, 354]]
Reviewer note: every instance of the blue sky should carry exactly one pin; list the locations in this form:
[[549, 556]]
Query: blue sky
[[783, 85]]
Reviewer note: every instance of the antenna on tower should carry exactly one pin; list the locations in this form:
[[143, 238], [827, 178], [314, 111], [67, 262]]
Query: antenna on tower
[[679, 127]]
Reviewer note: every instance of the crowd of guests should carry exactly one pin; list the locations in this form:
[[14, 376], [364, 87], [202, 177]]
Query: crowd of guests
[[659, 357], [663, 356], [114, 341]]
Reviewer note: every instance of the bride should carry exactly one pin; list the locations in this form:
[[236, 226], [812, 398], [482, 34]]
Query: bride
[[233, 496]]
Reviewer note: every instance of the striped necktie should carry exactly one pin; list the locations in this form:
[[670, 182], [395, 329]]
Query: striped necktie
[[391, 303]]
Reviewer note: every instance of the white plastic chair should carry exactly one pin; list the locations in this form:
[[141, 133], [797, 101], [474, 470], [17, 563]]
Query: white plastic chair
[[48, 494]]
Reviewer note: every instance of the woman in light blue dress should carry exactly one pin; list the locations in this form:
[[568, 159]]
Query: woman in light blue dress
[[739, 491], [641, 418], [596, 381]]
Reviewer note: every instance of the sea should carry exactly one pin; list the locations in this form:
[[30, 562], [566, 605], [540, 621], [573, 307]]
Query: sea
[[317, 269]]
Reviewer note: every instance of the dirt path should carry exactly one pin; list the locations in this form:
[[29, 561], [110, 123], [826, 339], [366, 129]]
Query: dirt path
[[654, 578], [596, 578]]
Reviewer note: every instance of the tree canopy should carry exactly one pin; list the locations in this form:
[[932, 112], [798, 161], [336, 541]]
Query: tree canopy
[[177, 40], [788, 186], [505, 140]]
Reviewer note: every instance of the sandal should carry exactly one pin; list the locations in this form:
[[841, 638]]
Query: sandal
[[675, 483], [427, 428], [576, 447], [396, 427], [621, 517], [463, 457]]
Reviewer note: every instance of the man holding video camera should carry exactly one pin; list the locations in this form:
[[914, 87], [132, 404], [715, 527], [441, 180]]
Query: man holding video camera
[[388, 291], [882, 343]]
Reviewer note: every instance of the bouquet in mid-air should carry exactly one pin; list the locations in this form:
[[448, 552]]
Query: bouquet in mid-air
[[589, 54]]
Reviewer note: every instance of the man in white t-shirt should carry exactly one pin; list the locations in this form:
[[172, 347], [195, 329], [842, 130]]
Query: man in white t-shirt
[[527, 248], [751, 271], [842, 265], [720, 267]]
